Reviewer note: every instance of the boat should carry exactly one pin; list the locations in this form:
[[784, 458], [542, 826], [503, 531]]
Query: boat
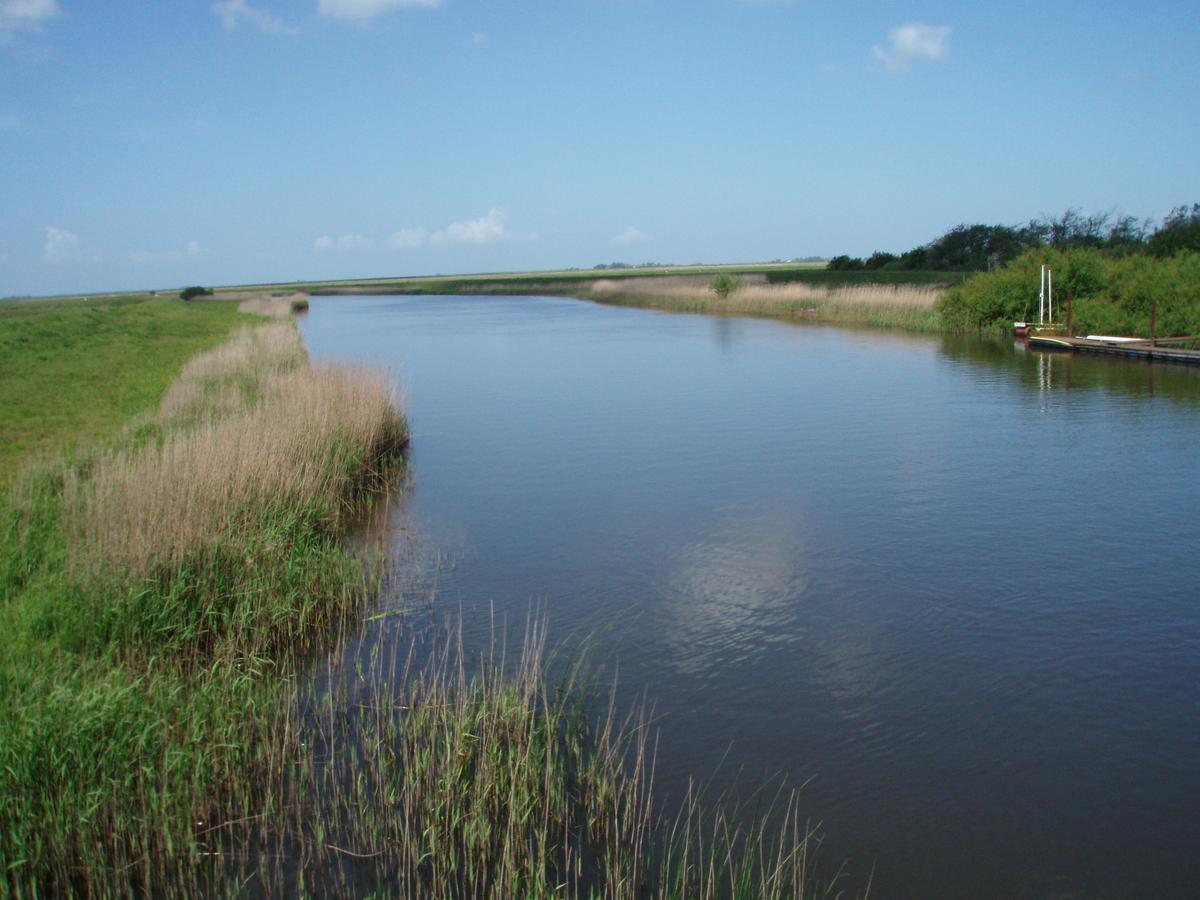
[[1021, 329], [1051, 342]]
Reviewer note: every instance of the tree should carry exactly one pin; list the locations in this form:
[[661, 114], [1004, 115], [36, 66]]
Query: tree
[[724, 283], [845, 263], [1180, 230], [190, 293]]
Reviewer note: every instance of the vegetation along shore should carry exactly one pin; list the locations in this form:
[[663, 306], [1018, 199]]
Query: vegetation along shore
[[193, 698]]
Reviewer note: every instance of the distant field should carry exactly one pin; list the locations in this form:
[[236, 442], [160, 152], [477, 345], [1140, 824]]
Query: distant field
[[75, 370], [561, 280]]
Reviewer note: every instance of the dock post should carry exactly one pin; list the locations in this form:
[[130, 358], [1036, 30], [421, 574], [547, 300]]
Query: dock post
[[1153, 321]]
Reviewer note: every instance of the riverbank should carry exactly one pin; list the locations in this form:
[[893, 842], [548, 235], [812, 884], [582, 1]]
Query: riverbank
[[909, 307], [163, 728], [158, 590]]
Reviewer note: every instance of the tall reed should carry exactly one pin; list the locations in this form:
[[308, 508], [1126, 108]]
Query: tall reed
[[906, 306]]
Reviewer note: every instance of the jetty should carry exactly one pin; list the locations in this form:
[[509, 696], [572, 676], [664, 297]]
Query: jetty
[[1151, 350]]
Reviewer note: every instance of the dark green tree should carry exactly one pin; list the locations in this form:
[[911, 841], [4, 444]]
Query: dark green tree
[[1180, 230]]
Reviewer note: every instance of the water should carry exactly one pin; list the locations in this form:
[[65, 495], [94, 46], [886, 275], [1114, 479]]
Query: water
[[951, 582]]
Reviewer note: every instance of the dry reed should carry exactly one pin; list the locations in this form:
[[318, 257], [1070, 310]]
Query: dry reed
[[246, 428], [227, 378], [757, 296], [274, 307]]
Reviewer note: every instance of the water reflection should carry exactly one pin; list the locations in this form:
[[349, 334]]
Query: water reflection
[[1058, 370], [733, 592], [727, 331]]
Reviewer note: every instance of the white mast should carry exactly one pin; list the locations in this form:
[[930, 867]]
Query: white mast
[[1042, 297], [1050, 292]]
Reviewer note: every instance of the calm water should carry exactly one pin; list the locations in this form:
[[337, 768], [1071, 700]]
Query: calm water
[[953, 583]]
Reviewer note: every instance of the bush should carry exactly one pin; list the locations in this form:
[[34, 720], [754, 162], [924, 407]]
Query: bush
[[190, 293], [724, 283]]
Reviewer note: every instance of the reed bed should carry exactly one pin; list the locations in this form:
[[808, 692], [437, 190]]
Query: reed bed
[[906, 306], [272, 307], [157, 600], [307, 438], [229, 378], [430, 781]]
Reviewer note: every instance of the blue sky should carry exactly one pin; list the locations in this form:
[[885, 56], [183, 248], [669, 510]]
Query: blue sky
[[154, 144]]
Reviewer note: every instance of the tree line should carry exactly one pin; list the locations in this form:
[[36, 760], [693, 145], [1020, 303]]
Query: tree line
[[984, 248]]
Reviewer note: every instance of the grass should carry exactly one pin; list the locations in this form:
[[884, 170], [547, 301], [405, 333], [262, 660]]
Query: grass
[[163, 729], [76, 371], [158, 592], [911, 307]]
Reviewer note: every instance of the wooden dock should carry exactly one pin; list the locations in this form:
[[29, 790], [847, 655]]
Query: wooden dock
[[1157, 351]]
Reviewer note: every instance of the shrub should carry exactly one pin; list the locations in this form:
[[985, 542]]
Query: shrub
[[190, 293], [724, 283]]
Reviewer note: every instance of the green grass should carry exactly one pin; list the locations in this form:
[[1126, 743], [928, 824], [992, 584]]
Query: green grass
[[140, 698], [75, 371]]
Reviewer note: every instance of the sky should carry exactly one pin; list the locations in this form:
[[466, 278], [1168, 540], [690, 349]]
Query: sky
[[150, 144]]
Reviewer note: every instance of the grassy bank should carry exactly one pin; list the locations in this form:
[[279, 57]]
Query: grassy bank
[[76, 371], [895, 306], [163, 729], [156, 595]]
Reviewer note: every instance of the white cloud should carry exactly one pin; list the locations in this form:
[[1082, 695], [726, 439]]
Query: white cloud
[[631, 235], [29, 14], [487, 229], [63, 246], [233, 12], [406, 238], [347, 243], [364, 10], [914, 42], [484, 230]]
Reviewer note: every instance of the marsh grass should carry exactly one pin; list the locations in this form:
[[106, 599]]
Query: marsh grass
[[490, 778], [275, 307], [159, 596], [900, 306]]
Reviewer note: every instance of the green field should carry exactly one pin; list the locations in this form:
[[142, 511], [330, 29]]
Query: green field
[[77, 370]]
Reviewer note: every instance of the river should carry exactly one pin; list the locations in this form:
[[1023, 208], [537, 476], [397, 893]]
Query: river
[[949, 583]]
